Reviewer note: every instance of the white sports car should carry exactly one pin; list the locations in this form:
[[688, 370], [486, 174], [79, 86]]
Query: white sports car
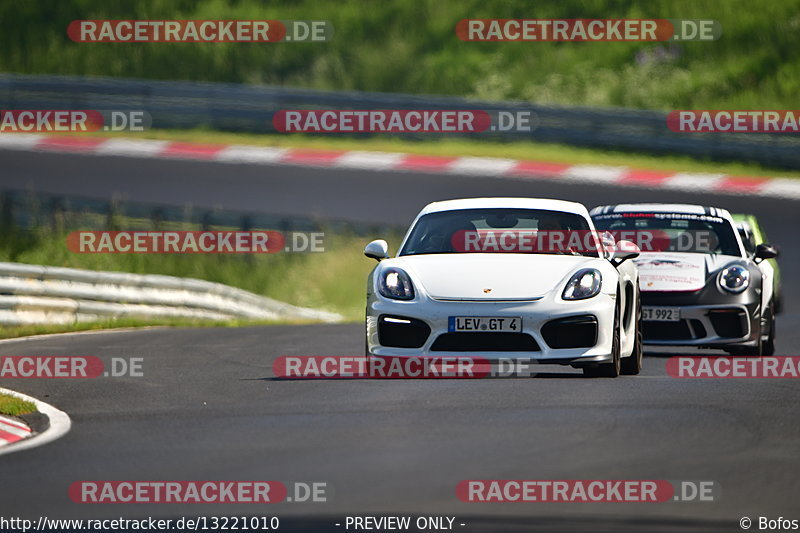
[[500, 278]]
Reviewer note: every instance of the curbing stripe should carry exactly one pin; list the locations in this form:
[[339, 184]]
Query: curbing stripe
[[783, 188], [20, 141], [11, 433], [595, 173], [687, 181], [251, 154], [60, 424], [369, 160], [10, 422], [131, 147], [181, 150], [481, 166]]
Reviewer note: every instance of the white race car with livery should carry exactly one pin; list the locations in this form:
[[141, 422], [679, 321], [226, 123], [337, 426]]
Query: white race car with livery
[[468, 282], [699, 285]]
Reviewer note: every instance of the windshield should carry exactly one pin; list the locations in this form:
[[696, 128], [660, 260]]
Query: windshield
[[680, 232], [501, 230]]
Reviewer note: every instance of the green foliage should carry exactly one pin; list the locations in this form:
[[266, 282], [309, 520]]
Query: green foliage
[[410, 46]]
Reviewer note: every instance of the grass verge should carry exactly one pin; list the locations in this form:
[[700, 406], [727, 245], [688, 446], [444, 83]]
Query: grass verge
[[13, 406]]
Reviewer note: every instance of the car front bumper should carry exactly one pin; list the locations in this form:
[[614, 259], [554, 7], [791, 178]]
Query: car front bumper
[[540, 345], [707, 319]]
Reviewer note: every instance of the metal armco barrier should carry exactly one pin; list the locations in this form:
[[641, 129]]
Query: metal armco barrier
[[249, 108], [34, 294]]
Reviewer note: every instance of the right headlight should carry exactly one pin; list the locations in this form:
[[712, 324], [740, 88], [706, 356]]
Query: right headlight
[[583, 284], [734, 278], [395, 284]]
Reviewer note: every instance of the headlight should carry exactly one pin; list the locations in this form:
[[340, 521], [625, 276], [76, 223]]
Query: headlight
[[735, 278], [395, 284], [584, 284]]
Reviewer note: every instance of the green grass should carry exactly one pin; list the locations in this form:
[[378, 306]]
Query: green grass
[[410, 46], [13, 406], [554, 153], [334, 280]]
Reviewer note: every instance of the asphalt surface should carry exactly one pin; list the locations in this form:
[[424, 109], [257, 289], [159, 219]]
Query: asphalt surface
[[209, 408]]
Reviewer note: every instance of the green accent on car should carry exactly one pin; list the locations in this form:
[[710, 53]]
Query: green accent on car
[[759, 236]]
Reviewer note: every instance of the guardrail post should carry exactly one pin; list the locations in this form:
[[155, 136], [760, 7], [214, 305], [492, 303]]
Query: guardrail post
[[7, 209], [57, 214], [157, 218]]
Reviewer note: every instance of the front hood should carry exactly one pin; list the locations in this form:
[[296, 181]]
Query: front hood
[[490, 276], [674, 271]]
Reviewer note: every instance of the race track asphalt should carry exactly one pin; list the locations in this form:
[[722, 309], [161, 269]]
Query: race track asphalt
[[209, 408]]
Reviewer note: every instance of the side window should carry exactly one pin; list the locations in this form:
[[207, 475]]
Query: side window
[[748, 239]]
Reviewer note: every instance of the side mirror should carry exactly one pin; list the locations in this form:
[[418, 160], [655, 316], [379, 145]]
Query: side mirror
[[765, 251], [623, 251], [377, 250]]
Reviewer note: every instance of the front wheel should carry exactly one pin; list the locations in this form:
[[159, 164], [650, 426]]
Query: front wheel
[[768, 346], [632, 365], [612, 369]]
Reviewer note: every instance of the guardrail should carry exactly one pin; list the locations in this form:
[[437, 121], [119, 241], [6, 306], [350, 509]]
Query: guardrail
[[249, 108], [31, 209], [34, 294]]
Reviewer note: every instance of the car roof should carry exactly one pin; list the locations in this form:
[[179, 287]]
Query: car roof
[[511, 203], [662, 208]]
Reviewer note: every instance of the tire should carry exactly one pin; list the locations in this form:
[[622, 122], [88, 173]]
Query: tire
[[612, 369], [631, 366], [768, 346]]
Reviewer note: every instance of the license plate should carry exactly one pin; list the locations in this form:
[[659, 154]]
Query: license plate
[[502, 324], [661, 314]]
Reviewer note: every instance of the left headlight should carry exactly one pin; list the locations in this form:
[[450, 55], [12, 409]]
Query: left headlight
[[395, 284], [583, 284], [734, 278]]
